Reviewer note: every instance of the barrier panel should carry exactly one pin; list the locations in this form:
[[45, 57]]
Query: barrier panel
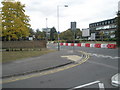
[[104, 45], [111, 45], [66, 44], [87, 45], [75, 44], [79, 44], [92, 45], [72, 44], [69, 44], [82, 44], [98, 45], [61, 44]]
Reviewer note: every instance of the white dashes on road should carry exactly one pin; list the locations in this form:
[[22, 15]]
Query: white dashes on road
[[101, 85], [103, 56]]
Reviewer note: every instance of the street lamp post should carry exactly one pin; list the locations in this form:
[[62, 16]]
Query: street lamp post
[[58, 24], [46, 30]]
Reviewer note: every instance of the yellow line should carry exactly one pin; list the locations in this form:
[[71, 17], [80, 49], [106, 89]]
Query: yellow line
[[46, 72]]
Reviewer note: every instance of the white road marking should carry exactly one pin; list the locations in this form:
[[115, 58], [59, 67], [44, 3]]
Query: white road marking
[[103, 56], [101, 86], [88, 84], [104, 65], [72, 57]]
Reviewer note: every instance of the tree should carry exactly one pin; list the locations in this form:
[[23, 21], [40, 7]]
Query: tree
[[71, 35], [53, 34], [101, 33], [66, 35], [15, 24], [31, 31], [38, 34], [78, 33]]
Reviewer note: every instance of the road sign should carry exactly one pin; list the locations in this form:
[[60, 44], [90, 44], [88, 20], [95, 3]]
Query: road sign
[[58, 32]]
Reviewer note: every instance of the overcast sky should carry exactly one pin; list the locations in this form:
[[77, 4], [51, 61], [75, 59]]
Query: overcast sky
[[81, 11]]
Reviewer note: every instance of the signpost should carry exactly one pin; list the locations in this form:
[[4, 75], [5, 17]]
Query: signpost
[[58, 41], [73, 28]]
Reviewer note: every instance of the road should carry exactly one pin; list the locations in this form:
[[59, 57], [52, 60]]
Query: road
[[100, 67]]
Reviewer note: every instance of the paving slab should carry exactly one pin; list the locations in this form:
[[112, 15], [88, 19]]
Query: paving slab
[[39, 63]]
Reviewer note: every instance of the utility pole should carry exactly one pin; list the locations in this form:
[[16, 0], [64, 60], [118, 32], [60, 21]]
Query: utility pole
[[46, 32], [58, 25], [73, 28]]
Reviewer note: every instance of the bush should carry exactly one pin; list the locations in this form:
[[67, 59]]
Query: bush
[[106, 39], [112, 39]]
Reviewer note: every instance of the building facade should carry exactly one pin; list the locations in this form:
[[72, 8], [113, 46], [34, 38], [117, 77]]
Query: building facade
[[103, 29], [47, 31]]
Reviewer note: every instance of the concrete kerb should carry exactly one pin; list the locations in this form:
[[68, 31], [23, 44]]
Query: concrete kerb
[[34, 71], [45, 69]]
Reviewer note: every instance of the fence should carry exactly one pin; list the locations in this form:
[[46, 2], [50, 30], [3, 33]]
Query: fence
[[23, 44], [96, 45]]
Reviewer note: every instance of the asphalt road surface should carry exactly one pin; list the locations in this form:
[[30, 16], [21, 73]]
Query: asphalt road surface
[[96, 72]]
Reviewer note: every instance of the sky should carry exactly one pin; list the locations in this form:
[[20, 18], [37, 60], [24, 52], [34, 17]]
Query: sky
[[43, 13]]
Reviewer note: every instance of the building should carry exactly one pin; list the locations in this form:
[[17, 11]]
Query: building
[[103, 29], [85, 33], [47, 30]]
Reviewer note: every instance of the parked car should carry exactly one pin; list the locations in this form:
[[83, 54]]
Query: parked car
[[115, 80]]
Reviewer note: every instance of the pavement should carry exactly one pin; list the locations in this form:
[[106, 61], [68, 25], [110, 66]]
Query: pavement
[[37, 64]]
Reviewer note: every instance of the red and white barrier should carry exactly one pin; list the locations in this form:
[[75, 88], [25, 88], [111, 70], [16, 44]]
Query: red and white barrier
[[87, 45], [112, 46], [92, 45], [98, 45], [75, 44], [82, 44], [104, 45], [79, 44], [64, 44]]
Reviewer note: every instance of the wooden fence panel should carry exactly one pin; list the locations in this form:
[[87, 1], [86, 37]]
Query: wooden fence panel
[[24, 44]]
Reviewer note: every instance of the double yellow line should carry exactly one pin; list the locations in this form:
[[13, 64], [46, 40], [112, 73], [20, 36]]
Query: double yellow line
[[13, 79]]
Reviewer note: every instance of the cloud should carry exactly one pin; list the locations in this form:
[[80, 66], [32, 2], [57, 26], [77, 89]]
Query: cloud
[[81, 11]]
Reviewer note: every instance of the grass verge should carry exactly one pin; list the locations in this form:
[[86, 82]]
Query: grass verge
[[9, 56]]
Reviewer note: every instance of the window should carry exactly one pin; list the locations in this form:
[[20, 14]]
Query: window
[[105, 22], [102, 23], [112, 21], [108, 22], [113, 26]]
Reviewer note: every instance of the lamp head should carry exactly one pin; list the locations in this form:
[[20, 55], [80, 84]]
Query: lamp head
[[65, 5]]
